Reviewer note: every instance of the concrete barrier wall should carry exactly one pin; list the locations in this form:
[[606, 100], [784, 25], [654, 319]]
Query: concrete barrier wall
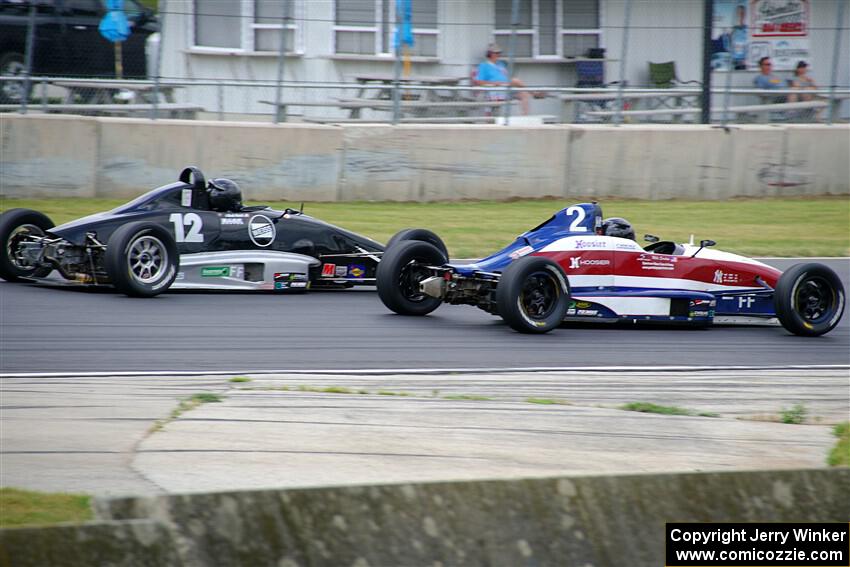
[[114, 157], [605, 520], [52, 156], [415, 163]]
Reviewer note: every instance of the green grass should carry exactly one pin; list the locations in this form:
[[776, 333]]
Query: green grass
[[185, 405], [238, 379], [794, 415], [756, 227], [546, 401], [23, 507], [326, 390], [646, 407], [466, 397], [840, 454]]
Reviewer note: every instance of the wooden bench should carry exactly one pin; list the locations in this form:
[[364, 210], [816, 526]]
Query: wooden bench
[[165, 109], [419, 107], [763, 111], [103, 91], [515, 120]]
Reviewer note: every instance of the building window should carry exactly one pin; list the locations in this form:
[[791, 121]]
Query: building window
[[222, 25], [365, 27], [267, 24], [218, 24], [550, 28]]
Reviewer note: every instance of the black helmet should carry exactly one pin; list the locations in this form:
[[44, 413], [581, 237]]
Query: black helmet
[[616, 226], [225, 195]]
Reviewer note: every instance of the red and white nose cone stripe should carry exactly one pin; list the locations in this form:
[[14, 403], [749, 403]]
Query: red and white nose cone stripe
[[606, 261]]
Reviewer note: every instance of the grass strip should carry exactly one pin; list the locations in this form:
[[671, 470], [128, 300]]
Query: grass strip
[[24, 507], [185, 405], [839, 456], [646, 407], [546, 401], [810, 226], [466, 397]]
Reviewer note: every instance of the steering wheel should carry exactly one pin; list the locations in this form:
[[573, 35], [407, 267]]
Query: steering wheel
[[200, 184]]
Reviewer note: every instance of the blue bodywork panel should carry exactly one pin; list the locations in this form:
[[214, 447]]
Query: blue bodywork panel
[[578, 220]]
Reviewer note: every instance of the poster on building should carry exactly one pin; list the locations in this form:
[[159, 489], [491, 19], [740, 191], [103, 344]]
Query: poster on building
[[779, 29], [730, 35], [744, 31]]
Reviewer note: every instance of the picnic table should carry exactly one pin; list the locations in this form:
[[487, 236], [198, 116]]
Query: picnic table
[[424, 109], [414, 102], [767, 105], [763, 112], [410, 92], [104, 91], [579, 106], [144, 110]]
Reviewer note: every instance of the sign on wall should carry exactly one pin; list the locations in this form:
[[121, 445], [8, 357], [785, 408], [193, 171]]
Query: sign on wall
[[779, 29], [744, 31]]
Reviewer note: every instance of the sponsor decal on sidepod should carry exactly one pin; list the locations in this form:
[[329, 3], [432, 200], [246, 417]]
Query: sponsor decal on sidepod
[[261, 230]]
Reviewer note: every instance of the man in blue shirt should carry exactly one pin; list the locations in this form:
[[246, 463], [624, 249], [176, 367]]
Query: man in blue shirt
[[492, 72], [767, 80]]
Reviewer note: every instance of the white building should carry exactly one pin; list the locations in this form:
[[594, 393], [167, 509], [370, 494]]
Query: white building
[[335, 40]]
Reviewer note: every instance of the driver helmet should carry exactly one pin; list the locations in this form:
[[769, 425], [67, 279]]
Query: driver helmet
[[225, 195], [619, 227]]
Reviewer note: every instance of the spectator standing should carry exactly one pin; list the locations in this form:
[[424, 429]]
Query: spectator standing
[[739, 38]]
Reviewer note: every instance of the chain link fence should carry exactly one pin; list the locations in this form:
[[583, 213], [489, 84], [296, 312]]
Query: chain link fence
[[586, 61]]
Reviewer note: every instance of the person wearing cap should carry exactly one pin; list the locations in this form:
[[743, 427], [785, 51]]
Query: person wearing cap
[[803, 81], [492, 72]]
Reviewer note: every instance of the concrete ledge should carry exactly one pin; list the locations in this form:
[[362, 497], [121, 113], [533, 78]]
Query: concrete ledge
[[603, 520], [49, 156], [134, 543]]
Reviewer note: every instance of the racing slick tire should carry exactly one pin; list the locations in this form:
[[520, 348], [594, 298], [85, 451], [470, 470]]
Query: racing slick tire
[[16, 224], [533, 295], [809, 299], [422, 234], [141, 259], [399, 273]]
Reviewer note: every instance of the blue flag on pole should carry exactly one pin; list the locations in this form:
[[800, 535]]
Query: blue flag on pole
[[114, 25], [404, 32]]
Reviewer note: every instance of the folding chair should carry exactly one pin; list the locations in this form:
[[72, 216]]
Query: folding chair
[[663, 76], [591, 74]]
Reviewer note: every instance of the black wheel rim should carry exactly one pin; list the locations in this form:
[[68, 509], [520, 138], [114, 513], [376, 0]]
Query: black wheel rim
[[408, 281], [539, 295], [13, 246], [814, 300]]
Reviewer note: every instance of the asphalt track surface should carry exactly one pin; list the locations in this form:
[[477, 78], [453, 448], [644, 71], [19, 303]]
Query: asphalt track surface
[[71, 330]]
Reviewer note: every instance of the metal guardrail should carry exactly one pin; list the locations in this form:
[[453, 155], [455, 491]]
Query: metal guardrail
[[42, 82]]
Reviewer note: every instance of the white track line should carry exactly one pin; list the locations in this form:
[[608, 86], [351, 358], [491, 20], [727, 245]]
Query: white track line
[[420, 371]]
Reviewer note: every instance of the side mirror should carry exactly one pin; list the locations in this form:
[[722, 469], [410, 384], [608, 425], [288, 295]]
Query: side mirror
[[650, 238], [703, 244]]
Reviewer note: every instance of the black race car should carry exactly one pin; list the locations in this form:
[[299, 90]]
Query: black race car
[[187, 235]]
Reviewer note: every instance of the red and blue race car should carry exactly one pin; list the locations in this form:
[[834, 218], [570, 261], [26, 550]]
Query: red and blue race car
[[568, 268]]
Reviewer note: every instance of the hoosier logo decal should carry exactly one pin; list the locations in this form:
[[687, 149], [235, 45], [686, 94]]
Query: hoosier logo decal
[[261, 230]]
